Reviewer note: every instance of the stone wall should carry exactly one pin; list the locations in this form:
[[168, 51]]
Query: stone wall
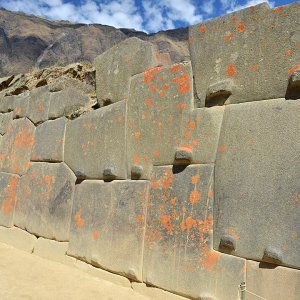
[[185, 177]]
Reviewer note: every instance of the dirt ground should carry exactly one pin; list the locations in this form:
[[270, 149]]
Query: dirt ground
[[24, 276]]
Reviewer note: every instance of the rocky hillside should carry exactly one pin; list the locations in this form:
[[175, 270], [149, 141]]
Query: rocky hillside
[[28, 42]]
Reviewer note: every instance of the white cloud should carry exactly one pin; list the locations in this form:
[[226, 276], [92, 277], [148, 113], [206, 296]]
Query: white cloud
[[117, 13], [233, 5], [149, 15], [162, 15], [208, 7]]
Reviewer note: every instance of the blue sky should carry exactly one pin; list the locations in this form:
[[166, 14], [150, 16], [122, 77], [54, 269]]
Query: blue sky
[[146, 15]]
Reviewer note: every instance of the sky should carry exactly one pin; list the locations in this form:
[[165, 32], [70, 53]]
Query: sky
[[146, 15]]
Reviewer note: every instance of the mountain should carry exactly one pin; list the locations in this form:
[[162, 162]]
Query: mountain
[[30, 42]]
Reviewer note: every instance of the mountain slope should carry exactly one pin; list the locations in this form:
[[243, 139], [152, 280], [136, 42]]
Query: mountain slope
[[28, 42]]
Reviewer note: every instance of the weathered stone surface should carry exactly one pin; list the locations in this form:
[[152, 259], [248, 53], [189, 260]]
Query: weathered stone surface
[[17, 238], [38, 107], [257, 181], [16, 147], [53, 250], [162, 127], [45, 197], [243, 47], [96, 141], [200, 134], [270, 282], [108, 225], [8, 198], [49, 141], [5, 121], [70, 101], [63, 83], [115, 67], [21, 104], [179, 236], [102, 274], [159, 104], [7, 104], [154, 293]]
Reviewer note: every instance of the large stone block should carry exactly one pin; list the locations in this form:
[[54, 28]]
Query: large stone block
[[7, 104], [95, 143], [271, 282], [69, 102], [163, 128], [38, 107], [108, 225], [159, 106], [233, 56], [18, 238], [16, 147], [200, 135], [179, 235], [257, 182], [45, 197], [53, 250], [49, 141], [8, 198], [5, 121], [115, 67], [21, 105]]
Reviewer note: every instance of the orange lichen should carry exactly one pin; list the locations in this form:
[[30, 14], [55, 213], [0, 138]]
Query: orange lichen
[[278, 9], [231, 70], [151, 74], [149, 103], [173, 200], [205, 227], [170, 119], [136, 159], [167, 179], [154, 185], [181, 105], [210, 193], [222, 148], [137, 135], [190, 223], [233, 19], [241, 27], [288, 52], [294, 69], [157, 153], [228, 37], [140, 218], [195, 142], [254, 68], [11, 199], [165, 220], [211, 257], [183, 82], [78, 220], [195, 196], [95, 235], [154, 88], [176, 68], [24, 139], [192, 125], [195, 179], [202, 29], [232, 232]]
